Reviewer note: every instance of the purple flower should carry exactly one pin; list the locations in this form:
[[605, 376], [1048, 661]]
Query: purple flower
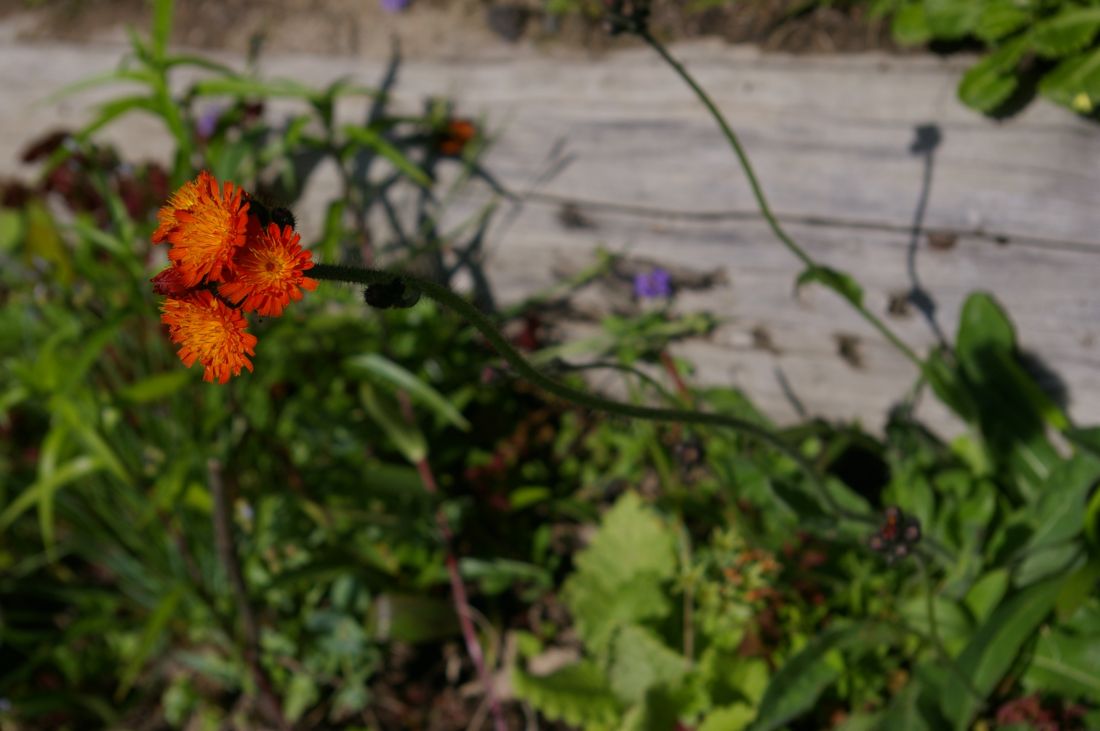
[[657, 283], [394, 6], [207, 123]]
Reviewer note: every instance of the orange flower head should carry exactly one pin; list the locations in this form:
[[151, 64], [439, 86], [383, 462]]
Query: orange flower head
[[457, 133], [210, 332], [268, 272], [208, 234], [183, 199], [170, 283]]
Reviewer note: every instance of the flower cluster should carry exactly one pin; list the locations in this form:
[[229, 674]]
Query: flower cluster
[[229, 255], [897, 536]]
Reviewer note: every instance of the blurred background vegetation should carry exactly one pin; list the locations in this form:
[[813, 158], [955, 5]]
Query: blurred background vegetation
[[265, 554]]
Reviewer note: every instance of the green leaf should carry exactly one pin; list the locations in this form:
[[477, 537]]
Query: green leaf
[[994, 648], [641, 661], [162, 27], [1066, 665], [841, 283], [1000, 18], [11, 229], [797, 685], [408, 439], [990, 82], [621, 574], [44, 488], [954, 625], [1058, 512], [1069, 31], [951, 19], [300, 694], [241, 86], [150, 637], [905, 712], [728, 718], [576, 694], [392, 374], [986, 593], [373, 140], [112, 110], [1079, 586], [156, 387], [1074, 83], [411, 618], [44, 242], [910, 25]]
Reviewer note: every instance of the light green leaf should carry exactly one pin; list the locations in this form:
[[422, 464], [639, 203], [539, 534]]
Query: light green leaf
[[369, 138], [990, 82], [43, 488], [910, 25], [986, 593], [576, 694], [1000, 18], [729, 718], [1069, 31], [385, 370], [951, 19], [156, 387], [1075, 79], [641, 661], [840, 282], [162, 27]]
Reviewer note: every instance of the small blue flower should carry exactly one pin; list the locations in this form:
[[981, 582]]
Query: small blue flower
[[394, 6], [654, 284], [207, 123]]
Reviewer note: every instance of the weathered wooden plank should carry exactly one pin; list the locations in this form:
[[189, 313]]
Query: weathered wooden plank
[[831, 138]]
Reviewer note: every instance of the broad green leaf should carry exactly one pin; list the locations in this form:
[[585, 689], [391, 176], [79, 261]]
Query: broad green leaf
[[12, 229], [577, 694], [795, 688], [1074, 83], [986, 593], [1066, 665], [951, 19], [392, 374], [954, 626], [991, 81], [641, 661], [1067, 32], [621, 575], [728, 718], [994, 648], [910, 25], [1057, 516], [840, 282], [300, 695], [1000, 18], [371, 139], [1079, 586], [905, 712]]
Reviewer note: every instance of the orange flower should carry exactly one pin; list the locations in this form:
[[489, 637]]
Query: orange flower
[[183, 199], [456, 134], [170, 283], [210, 332], [268, 272], [208, 233]]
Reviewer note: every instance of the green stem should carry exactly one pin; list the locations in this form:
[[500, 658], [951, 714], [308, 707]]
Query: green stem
[[762, 202], [452, 301]]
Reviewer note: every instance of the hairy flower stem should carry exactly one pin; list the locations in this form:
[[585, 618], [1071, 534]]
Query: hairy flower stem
[[762, 202], [452, 301]]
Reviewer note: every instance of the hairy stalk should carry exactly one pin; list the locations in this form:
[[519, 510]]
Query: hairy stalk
[[458, 589], [762, 201], [223, 536], [934, 631], [452, 301]]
